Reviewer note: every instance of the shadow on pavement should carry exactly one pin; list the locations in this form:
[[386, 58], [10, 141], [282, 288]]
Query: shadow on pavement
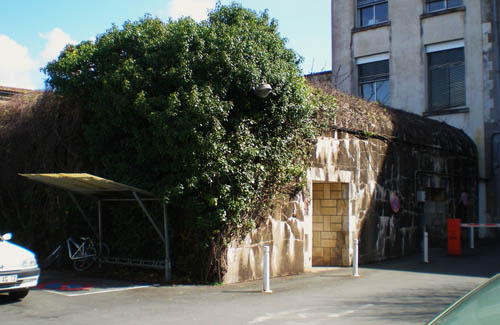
[[6, 300], [411, 306], [483, 261]]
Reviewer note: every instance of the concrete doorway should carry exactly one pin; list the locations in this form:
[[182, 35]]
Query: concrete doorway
[[330, 224]]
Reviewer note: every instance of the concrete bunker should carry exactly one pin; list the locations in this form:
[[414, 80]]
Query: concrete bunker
[[367, 178]]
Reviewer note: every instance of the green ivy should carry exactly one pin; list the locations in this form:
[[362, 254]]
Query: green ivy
[[170, 107]]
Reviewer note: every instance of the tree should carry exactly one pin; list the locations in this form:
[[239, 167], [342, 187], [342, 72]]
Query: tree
[[170, 107]]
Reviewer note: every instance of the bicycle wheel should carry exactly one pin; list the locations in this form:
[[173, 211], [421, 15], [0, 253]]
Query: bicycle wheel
[[84, 263], [51, 258]]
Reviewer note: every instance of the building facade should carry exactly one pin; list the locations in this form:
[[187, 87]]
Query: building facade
[[436, 58]]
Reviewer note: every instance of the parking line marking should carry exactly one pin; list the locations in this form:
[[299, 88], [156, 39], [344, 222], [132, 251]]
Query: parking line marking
[[96, 292]]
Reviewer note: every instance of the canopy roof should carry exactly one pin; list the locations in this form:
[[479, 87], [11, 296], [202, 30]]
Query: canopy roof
[[91, 185]]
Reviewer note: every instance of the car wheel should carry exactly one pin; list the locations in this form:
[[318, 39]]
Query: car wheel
[[18, 294]]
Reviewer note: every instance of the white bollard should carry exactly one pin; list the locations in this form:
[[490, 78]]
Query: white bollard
[[426, 247], [355, 259], [267, 285]]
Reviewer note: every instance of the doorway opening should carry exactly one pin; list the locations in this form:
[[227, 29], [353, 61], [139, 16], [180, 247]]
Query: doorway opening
[[330, 224]]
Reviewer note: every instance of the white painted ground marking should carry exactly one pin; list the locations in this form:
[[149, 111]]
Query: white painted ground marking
[[269, 316], [94, 292], [303, 314], [345, 313], [348, 312]]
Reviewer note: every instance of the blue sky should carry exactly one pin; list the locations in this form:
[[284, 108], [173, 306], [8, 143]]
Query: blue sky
[[33, 32]]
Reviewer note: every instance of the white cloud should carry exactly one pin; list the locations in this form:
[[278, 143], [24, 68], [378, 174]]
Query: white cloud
[[57, 39], [16, 66], [196, 9]]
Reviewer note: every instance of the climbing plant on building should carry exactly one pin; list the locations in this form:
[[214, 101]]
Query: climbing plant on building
[[170, 107]]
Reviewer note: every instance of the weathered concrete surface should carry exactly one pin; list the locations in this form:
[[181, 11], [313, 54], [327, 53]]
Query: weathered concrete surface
[[284, 233], [375, 160], [383, 172]]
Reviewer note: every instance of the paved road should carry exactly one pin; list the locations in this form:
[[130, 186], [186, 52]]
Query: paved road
[[403, 291]]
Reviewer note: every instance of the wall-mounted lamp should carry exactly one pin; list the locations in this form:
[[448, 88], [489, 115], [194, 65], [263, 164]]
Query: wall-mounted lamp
[[263, 90]]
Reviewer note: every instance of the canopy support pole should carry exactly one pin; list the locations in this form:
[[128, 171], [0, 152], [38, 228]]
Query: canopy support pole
[[168, 265], [149, 216], [99, 215], [72, 196]]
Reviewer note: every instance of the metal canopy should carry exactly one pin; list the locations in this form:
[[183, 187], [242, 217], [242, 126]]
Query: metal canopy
[[87, 184], [106, 190]]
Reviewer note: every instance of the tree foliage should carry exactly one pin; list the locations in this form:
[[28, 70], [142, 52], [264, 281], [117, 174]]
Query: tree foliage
[[170, 107]]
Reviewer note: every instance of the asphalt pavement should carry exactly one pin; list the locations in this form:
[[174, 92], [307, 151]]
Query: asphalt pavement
[[402, 291]]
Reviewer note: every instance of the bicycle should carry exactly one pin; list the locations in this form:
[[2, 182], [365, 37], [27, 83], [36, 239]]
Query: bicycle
[[83, 255]]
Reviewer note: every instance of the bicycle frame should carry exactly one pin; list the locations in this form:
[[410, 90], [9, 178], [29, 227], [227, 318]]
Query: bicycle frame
[[78, 251]]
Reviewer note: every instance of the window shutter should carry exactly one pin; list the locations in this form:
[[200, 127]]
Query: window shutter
[[457, 85], [373, 71], [439, 91], [363, 3], [446, 79]]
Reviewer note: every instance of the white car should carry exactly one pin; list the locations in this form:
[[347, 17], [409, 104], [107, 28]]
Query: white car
[[18, 269]]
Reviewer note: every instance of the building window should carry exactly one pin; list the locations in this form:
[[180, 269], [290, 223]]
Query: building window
[[372, 12], [436, 5], [374, 81], [446, 79]]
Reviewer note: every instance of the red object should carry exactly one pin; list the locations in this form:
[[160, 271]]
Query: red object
[[454, 242]]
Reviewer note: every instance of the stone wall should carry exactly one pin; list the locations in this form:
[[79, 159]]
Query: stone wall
[[284, 232], [383, 211], [366, 187]]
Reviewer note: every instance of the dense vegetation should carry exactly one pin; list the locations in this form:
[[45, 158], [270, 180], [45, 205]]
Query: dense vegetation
[[170, 107]]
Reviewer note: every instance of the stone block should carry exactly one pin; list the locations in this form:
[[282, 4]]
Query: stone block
[[326, 191], [328, 203], [317, 218], [327, 252], [318, 187], [318, 195], [328, 235], [328, 211], [336, 195], [328, 243], [317, 260], [316, 238], [336, 219], [336, 187], [316, 207], [317, 252], [318, 226], [335, 227]]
